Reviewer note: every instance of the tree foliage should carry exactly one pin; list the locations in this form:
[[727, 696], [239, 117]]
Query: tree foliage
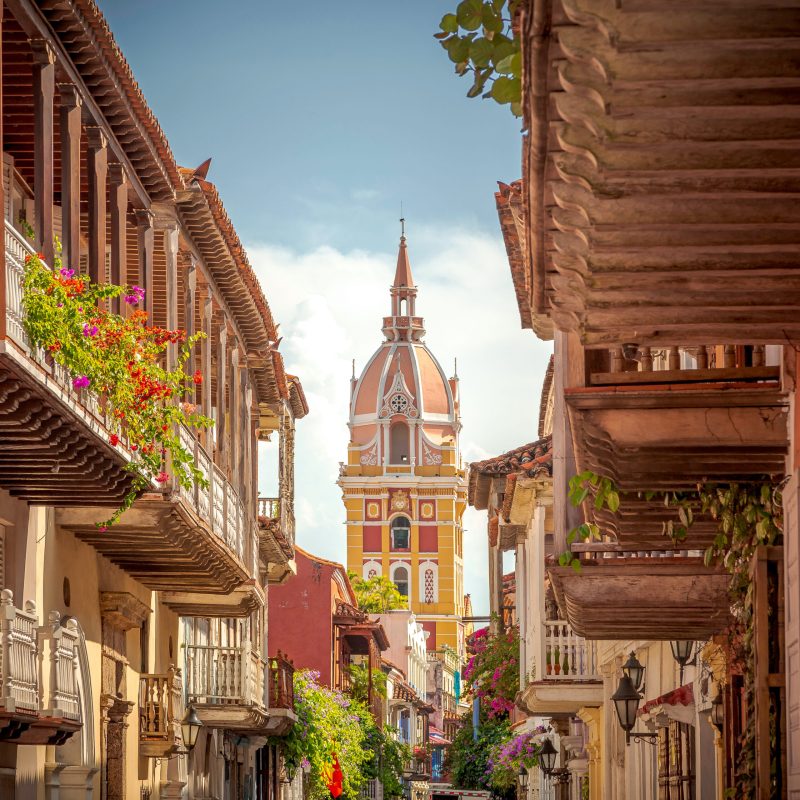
[[377, 595], [480, 40]]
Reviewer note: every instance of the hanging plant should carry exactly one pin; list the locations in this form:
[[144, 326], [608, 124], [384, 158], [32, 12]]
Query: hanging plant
[[120, 359], [492, 673]]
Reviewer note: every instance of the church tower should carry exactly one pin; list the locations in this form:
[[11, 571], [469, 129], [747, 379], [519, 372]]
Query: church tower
[[402, 484]]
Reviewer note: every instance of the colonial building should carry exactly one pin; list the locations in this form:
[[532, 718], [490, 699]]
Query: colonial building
[[108, 636], [402, 484]]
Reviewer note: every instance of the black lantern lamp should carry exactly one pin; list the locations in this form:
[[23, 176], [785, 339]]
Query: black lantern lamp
[[682, 650], [718, 711], [635, 671], [523, 777], [626, 703], [190, 727], [547, 757]]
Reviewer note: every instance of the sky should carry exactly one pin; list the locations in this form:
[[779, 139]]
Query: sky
[[321, 119]]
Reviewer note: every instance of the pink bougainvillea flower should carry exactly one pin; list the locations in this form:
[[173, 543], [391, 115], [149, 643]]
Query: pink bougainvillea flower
[[162, 477], [81, 382], [66, 272], [131, 299], [89, 330], [103, 528]]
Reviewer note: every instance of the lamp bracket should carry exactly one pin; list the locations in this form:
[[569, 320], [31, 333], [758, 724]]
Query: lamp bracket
[[650, 738]]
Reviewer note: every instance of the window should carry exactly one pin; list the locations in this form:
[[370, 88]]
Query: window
[[401, 580], [676, 761], [429, 595], [399, 444], [401, 533]]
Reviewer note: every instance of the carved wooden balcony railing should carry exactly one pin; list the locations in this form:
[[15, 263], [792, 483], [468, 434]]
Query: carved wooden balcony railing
[[227, 686], [276, 533], [39, 702], [160, 713], [281, 683], [53, 438]]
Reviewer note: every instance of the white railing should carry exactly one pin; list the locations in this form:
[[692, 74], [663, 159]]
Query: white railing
[[64, 700], [16, 251], [568, 656], [217, 674], [372, 790], [20, 656]]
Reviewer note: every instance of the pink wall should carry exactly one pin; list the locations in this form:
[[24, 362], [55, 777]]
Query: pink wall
[[300, 616]]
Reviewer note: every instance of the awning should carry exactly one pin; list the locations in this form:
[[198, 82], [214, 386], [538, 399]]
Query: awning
[[436, 736]]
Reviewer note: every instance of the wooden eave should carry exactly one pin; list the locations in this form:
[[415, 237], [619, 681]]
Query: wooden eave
[[661, 170], [674, 436], [224, 258], [240, 602], [649, 598], [83, 34]]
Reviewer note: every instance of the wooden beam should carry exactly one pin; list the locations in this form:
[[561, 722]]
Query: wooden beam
[[119, 230], [206, 344], [97, 164], [221, 454], [43, 96], [70, 174], [171, 254], [145, 241]]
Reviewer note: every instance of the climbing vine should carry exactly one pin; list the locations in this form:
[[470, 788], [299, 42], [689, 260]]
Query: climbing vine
[[480, 40], [492, 672]]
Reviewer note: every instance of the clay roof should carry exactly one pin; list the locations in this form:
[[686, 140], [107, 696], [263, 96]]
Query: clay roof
[[403, 691], [297, 397], [402, 275], [547, 386], [511, 211], [531, 460]]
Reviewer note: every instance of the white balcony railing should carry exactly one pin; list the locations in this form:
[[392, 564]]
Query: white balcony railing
[[568, 656], [63, 659], [217, 674]]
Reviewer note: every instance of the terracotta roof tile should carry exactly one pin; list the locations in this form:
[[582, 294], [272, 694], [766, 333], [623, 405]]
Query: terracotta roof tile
[[511, 211]]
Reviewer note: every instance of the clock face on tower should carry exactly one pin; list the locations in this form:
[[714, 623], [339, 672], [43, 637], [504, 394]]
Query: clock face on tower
[[398, 403]]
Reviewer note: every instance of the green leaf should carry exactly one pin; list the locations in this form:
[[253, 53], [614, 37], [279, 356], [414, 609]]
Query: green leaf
[[581, 496], [458, 48], [564, 559], [492, 21], [516, 109], [576, 565], [470, 14], [449, 23], [510, 65], [480, 51], [612, 501]]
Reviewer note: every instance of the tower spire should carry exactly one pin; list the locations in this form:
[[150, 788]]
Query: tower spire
[[403, 324]]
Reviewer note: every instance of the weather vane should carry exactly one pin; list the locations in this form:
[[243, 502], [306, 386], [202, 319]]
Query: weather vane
[[402, 222]]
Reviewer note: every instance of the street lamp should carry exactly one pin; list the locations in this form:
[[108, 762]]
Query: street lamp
[[682, 652], [635, 671], [523, 778], [718, 711], [190, 727], [626, 703], [547, 757]]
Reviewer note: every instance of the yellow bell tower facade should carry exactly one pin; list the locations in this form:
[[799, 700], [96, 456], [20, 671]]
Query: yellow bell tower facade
[[402, 484]]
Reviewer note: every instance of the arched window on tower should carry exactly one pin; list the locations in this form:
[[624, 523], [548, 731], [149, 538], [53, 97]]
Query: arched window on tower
[[400, 533], [399, 449], [400, 579]]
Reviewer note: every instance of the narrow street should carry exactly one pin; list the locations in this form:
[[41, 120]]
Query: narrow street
[[398, 401]]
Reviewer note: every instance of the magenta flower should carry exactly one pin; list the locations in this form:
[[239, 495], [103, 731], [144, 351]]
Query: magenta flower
[[89, 330], [162, 477], [81, 382], [67, 273]]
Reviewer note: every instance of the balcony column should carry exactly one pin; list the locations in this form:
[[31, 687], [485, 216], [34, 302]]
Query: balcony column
[[44, 72], [97, 159], [119, 230], [70, 175], [222, 379], [235, 412], [205, 363], [3, 199], [145, 235], [171, 252], [189, 305], [245, 398], [535, 580]]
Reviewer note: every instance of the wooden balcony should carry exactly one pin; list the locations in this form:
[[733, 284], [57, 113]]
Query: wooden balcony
[[227, 686], [54, 446], [276, 532], [160, 714], [671, 419], [39, 701], [281, 695], [417, 769], [196, 545], [658, 595], [567, 675]]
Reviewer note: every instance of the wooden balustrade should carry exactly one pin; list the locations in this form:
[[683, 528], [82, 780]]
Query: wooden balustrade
[[20, 655], [676, 364], [160, 712], [567, 655], [269, 507], [64, 700], [217, 674], [281, 682]]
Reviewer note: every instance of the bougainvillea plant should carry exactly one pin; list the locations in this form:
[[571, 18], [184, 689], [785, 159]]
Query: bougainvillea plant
[[492, 672], [120, 358], [328, 723], [509, 756]]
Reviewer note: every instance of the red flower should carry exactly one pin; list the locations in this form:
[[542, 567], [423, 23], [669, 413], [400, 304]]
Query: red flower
[[134, 447], [114, 439], [162, 477], [197, 377]]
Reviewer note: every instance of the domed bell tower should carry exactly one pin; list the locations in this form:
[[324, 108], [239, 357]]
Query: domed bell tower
[[402, 484]]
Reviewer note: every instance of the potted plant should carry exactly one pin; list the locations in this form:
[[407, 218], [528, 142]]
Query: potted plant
[[556, 661]]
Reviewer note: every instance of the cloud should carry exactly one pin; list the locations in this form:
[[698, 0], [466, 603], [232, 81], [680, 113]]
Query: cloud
[[330, 305]]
